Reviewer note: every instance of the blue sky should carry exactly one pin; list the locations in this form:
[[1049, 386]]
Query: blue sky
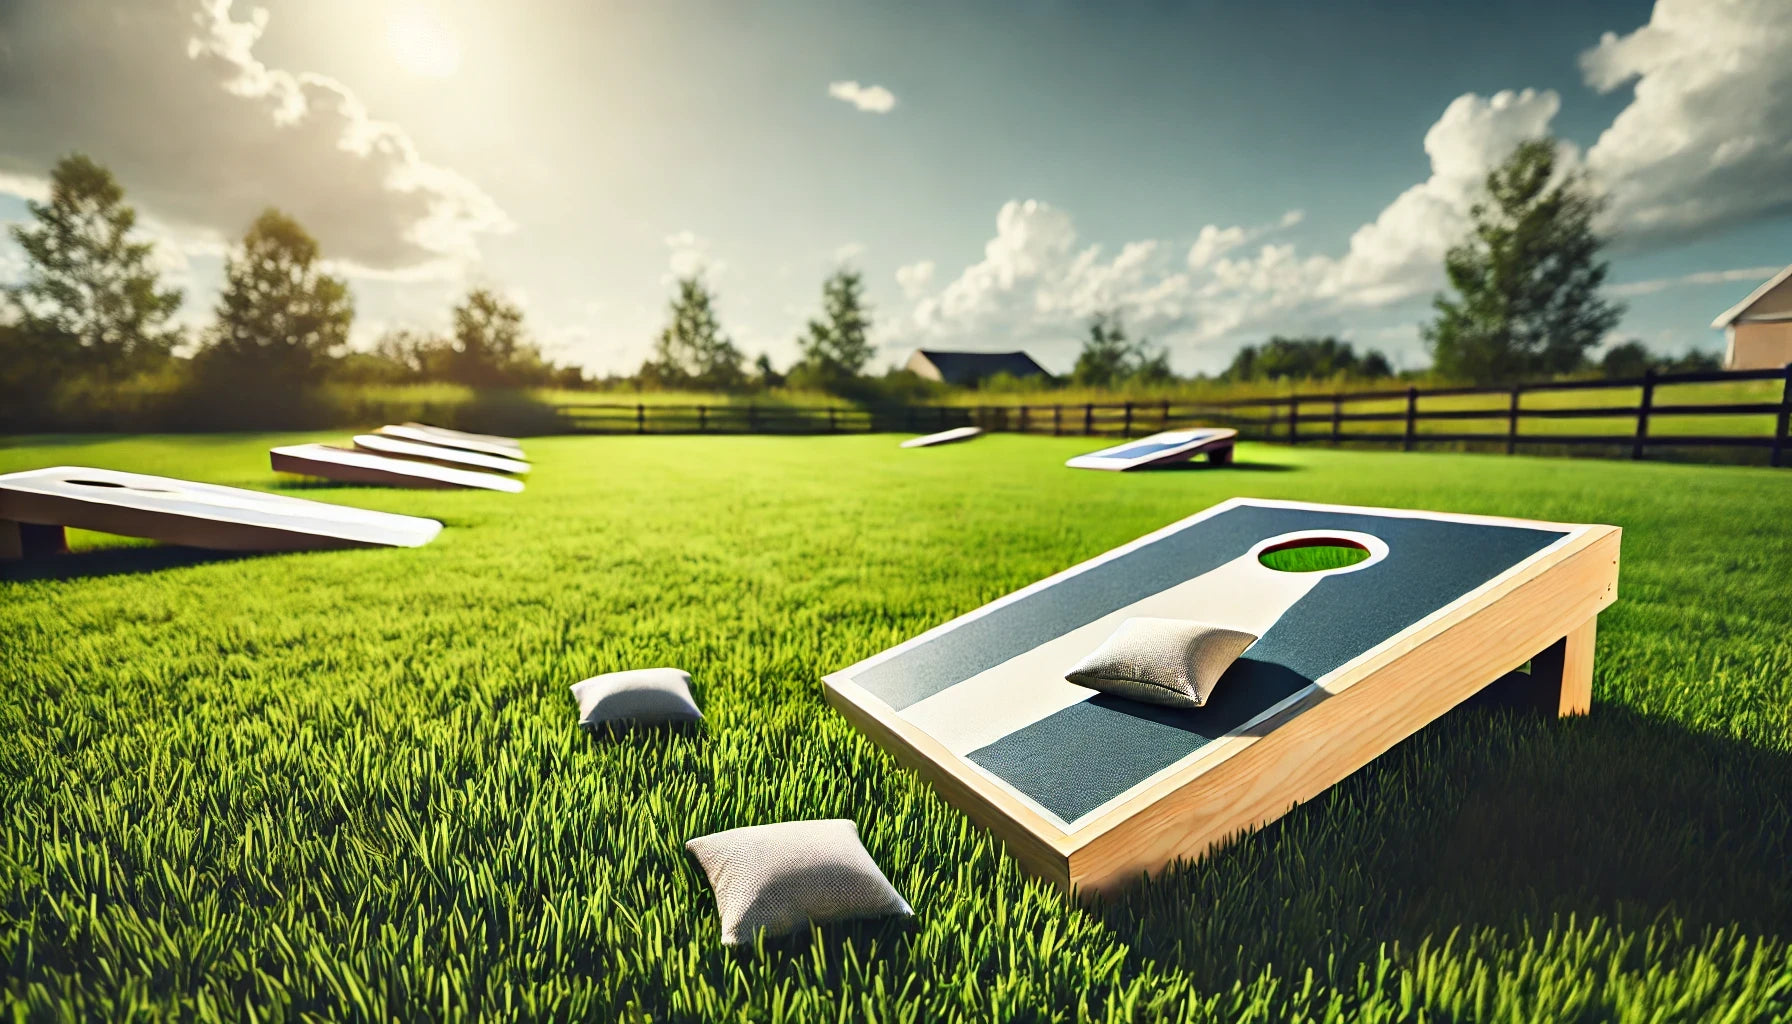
[[1220, 172]]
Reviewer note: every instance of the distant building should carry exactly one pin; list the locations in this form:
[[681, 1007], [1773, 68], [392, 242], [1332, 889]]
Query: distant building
[[1759, 328], [967, 369]]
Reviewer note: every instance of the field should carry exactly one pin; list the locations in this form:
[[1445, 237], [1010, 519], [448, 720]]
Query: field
[[348, 785]]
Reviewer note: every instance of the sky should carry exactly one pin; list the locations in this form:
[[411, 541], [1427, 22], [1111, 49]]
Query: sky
[[1219, 172]]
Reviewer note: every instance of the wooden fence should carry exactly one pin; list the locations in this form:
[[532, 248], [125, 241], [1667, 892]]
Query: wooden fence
[[1752, 417]]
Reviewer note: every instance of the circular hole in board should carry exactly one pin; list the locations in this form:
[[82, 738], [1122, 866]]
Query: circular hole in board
[[1313, 554]]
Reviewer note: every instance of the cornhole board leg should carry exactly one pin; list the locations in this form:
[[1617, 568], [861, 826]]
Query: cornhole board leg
[[1562, 676], [1220, 456], [30, 540]]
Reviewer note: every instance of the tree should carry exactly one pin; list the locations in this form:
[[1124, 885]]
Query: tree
[[89, 287], [280, 317], [1282, 358], [765, 374], [489, 348], [838, 347], [692, 351], [1109, 358], [1632, 359], [1527, 278]]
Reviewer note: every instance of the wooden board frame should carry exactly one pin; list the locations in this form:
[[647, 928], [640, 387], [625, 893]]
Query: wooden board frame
[[347, 465], [1542, 610], [953, 436], [1216, 443], [36, 506], [399, 448]]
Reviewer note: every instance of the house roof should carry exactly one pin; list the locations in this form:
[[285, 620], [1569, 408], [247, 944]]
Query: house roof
[[1735, 312], [970, 367]]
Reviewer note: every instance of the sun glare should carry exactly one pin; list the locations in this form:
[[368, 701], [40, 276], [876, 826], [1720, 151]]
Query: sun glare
[[421, 42]]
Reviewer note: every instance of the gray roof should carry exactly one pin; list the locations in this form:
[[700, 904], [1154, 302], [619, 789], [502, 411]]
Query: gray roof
[[971, 367]]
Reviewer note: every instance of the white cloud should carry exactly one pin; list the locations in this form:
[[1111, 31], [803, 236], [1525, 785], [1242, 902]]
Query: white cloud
[[1215, 241], [1706, 141], [873, 99], [849, 252], [690, 254], [1755, 275], [203, 135], [913, 278]]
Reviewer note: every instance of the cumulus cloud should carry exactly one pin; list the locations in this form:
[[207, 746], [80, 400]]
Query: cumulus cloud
[[689, 254], [1661, 284], [914, 278], [873, 99], [1706, 141], [203, 134]]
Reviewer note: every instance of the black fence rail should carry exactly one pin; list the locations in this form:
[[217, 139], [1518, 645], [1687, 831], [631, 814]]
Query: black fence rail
[[1741, 411]]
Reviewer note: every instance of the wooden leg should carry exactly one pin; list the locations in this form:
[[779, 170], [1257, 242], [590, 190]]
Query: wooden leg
[[30, 540], [1220, 456], [1562, 676]]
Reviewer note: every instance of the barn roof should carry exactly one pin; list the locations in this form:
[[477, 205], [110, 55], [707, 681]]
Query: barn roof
[[1737, 311], [970, 367]]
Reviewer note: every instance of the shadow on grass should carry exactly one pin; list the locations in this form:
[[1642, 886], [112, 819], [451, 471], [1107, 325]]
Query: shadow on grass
[[76, 565], [1203, 466], [1490, 818]]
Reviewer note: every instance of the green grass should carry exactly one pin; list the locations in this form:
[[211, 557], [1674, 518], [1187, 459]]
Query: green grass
[[348, 785], [1312, 557]]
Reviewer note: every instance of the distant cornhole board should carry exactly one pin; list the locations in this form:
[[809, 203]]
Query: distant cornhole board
[[1090, 790], [1163, 449], [943, 437], [346, 465], [37, 504], [490, 444], [380, 444]]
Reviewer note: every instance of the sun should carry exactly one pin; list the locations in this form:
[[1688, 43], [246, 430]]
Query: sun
[[422, 43]]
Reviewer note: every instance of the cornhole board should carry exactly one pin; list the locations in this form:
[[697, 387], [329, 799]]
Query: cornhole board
[[356, 467], [490, 444], [943, 437], [1163, 449], [398, 448], [1091, 791], [37, 504]]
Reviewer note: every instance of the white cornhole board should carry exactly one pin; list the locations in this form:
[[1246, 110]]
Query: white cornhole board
[[943, 437], [490, 444], [380, 444], [347, 465], [1162, 449], [1092, 790], [192, 514]]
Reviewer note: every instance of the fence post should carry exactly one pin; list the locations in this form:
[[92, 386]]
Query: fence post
[[1337, 417], [640, 418], [1512, 420], [1784, 421], [1412, 417], [1126, 431], [831, 427], [1057, 420], [1163, 422], [703, 419], [1023, 418], [1642, 414], [752, 418], [1270, 421], [1293, 419]]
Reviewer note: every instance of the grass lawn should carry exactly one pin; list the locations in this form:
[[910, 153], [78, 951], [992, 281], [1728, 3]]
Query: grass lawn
[[348, 785]]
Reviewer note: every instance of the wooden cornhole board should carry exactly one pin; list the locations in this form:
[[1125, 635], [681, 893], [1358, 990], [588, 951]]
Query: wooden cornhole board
[[398, 448], [37, 504], [357, 467], [1090, 790], [489, 444], [943, 437], [1163, 449]]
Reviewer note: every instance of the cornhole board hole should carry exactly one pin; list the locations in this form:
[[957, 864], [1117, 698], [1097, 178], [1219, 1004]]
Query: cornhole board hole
[[346, 465], [1163, 449], [489, 444], [943, 437], [1090, 790], [398, 448], [37, 504]]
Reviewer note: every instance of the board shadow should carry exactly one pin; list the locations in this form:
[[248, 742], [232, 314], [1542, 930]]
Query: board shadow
[[1489, 818], [123, 561], [1202, 466]]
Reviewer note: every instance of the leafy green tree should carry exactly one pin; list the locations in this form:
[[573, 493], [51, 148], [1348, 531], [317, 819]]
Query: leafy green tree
[[692, 351], [1282, 358], [838, 346], [89, 286], [765, 374], [280, 317], [1109, 358], [489, 347], [1632, 359], [1527, 278]]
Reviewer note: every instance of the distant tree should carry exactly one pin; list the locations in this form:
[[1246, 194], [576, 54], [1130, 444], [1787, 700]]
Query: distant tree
[[692, 351], [1106, 358], [1632, 359], [765, 374], [280, 317], [1526, 279], [88, 286], [1282, 358], [489, 348], [838, 346]]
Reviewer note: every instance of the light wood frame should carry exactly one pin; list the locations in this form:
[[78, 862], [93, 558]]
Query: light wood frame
[[1542, 611], [1217, 443]]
